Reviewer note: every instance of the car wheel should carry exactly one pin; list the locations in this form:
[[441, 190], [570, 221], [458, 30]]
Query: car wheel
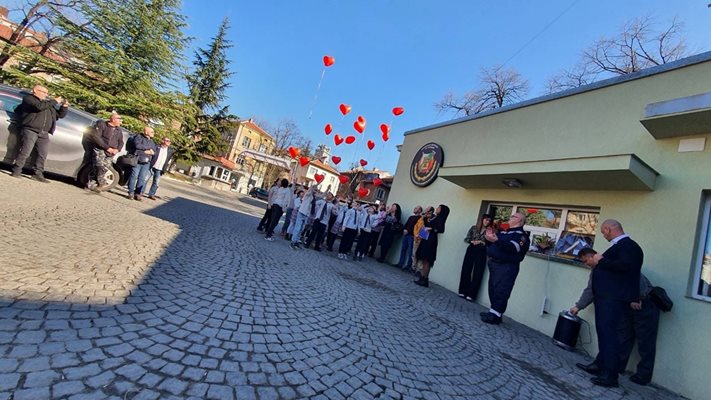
[[86, 174]]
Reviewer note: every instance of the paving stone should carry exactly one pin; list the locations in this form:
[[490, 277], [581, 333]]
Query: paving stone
[[31, 394], [66, 388]]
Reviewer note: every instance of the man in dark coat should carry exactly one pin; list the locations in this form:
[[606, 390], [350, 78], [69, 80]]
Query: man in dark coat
[[39, 115], [105, 141], [615, 284]]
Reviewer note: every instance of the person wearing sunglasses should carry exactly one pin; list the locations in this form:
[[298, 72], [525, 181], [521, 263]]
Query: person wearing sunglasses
[[159, 165]]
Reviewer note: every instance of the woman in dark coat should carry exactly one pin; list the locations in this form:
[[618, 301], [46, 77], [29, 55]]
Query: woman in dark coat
[[474, 262], [392, 218], [427, 252]]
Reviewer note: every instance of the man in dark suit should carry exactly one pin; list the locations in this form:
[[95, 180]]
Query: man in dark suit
[[615, 284]]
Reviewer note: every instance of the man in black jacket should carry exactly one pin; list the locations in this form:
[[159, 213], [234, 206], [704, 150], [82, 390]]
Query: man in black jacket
[[39, 116], [615, 284], [106, 140]]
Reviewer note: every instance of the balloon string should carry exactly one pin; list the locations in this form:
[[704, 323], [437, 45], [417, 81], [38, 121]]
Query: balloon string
[[318, 89]]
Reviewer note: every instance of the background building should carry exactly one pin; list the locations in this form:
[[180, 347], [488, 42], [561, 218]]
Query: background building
[[632, 148], [360, 177]]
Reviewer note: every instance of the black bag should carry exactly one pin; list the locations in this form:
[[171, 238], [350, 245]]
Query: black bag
[[397, 227], [660, 298], [127, 160]]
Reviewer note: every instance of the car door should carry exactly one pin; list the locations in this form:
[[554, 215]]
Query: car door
[[9, 132]]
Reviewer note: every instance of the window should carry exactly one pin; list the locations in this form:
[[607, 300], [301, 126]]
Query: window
[[701, 288], [8, 103], [379, 193], [262, 148], [240, 159], [312, 171], [331, 179], [225, 175], [246, 142], [555, 231]]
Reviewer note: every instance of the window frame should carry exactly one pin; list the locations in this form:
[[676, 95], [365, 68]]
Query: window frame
[[537, 230], [697, 283]]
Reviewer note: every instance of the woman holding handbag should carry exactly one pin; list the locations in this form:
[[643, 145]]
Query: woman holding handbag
[[474, 262]]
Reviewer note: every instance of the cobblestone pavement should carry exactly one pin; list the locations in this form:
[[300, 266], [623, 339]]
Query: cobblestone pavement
[[105, 297]]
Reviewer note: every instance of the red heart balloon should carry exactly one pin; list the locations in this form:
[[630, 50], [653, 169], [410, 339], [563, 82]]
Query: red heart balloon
[[294, 152], [362, 192], [385, 128], [328, 129], [337, 139], [386, 136], [318, 178], [345, 108], [304, 161], [328, 61], [336, 159], [361, 119], [359, 127], [363, 163], [344, 179], [371, 144], [377, 181], [398, 110], [350, 139]]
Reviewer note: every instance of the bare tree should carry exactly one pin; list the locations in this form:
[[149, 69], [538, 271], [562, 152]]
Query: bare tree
[[38, 27], [499, 87], [639, 45]]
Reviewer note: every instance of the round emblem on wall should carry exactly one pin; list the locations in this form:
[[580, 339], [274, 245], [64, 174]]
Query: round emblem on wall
[[425, 164]]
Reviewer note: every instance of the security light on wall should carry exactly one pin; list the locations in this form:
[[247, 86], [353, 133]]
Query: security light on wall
[[512, 182]]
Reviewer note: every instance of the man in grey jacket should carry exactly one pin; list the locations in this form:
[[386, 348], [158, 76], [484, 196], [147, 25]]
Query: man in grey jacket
[[640, 322]]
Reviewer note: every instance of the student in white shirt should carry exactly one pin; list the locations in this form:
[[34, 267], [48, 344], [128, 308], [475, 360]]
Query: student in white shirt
[[349, 229], [321, 216], [365, 226], [280, 200]]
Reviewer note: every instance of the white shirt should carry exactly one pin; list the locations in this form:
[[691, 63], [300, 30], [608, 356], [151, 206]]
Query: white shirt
[[161, 159], [366, 221], [350, 219], [282, 197], [325, 207]]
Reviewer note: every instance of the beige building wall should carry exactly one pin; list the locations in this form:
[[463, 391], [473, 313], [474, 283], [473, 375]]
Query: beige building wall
[[665, 221]]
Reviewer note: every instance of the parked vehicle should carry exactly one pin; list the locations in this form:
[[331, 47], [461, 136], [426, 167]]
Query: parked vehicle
[[67, 153], [259, 193]]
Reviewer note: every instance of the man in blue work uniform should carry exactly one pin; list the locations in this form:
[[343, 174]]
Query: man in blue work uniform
[[507, 250]]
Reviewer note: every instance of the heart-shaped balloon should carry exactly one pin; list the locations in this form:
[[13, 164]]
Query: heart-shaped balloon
[[345, 108], [398, 110], [386, 136], [362, 192], [336, 159], [344, 179], [328, 129], [363, 163], [371, 144], [294, 152], [358, 126], [337, 139], [377, 181], [318, 178], [328, 61], [304, 161], [385, 128], [350, 139], [361, 119]]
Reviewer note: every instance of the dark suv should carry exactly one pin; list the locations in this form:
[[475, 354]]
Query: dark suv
[[259, 193], [66, 154]]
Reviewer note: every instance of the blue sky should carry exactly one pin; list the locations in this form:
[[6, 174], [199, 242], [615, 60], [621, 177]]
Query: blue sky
[[405, 53]]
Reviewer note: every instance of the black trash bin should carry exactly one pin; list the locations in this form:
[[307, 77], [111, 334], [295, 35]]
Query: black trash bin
[[567, 330]]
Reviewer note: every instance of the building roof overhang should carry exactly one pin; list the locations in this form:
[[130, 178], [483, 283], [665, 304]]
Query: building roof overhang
[[684, 116], [267, 158], [610, 172]]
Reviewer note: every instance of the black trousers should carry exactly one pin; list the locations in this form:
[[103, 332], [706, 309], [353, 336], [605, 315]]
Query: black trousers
[[502, 277], [274, 216], [374, 236], [30, 140], [349, 236], [472, 271], [330, 240], [642, 325], [363, 242], [265, 219], [608, 317], [318, 230]]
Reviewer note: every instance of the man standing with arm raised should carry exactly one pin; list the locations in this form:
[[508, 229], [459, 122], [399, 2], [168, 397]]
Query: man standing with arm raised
[[615, 284]]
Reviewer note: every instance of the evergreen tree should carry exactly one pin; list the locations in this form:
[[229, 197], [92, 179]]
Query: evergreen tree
[[207, 85]]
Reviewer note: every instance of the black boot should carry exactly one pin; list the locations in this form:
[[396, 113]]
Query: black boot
[[419, 279]]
